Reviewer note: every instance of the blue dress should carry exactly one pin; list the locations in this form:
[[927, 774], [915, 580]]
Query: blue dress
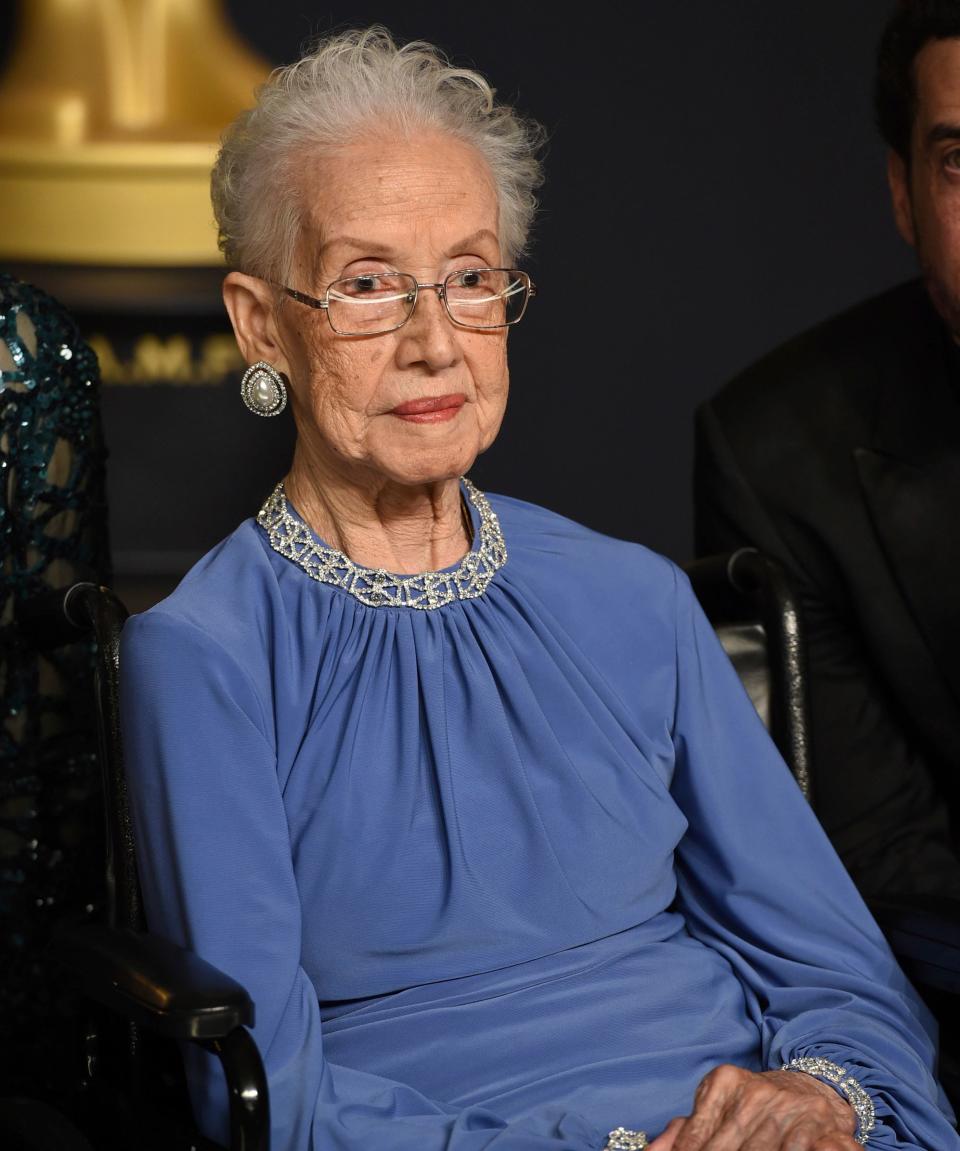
[[503, 854]]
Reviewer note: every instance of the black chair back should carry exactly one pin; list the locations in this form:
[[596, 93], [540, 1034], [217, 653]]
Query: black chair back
[[63, 616], [748, 598], [147, 984], [98, 610]]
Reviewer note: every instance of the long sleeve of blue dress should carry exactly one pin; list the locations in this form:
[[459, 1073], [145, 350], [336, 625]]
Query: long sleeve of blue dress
[[758, 884], [503, 875]]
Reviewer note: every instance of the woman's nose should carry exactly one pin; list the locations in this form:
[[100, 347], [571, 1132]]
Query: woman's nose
[[430, 336]]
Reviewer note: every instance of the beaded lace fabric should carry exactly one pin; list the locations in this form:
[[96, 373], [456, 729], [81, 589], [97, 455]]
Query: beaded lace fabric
[[52, 532], [425, 591]]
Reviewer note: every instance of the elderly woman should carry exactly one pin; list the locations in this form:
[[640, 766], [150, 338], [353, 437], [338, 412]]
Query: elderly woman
[[466, 795]]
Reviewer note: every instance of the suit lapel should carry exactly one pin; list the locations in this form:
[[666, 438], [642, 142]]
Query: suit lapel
[[910, 476]]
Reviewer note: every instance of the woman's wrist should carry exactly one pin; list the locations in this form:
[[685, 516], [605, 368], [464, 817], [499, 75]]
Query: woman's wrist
[[845, 1084]]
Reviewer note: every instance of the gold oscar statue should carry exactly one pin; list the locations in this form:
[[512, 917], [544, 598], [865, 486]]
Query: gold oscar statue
[[110, 116]]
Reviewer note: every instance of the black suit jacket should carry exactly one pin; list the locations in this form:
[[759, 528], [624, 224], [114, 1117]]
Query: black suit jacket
[[839, 454]]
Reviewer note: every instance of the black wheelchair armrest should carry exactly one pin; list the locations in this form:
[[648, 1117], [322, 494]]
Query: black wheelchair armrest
[[150, 981], [925, 937], [175, 993]]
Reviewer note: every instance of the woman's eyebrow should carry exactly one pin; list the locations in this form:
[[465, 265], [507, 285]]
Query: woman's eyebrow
[[370, 247], [482, 234], [377, 248]]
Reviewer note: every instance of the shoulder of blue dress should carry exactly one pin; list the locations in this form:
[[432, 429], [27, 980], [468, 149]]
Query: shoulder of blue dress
[[536, 533], [229, 595]]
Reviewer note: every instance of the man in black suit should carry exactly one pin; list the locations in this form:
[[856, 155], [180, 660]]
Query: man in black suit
[[839, 454]]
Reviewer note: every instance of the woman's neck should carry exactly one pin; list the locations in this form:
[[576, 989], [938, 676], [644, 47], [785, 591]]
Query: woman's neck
[[380, 523]]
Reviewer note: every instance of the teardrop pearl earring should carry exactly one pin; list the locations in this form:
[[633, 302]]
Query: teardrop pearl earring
[[263, 389]]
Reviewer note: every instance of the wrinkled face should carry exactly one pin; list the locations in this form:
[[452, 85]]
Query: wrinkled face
[[426, 206], [927, 199]]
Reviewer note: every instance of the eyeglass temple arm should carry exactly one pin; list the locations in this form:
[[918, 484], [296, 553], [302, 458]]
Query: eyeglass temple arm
[[302, 298]]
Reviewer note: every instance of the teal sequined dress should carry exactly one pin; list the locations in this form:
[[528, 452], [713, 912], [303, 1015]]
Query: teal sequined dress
[[52, 532]]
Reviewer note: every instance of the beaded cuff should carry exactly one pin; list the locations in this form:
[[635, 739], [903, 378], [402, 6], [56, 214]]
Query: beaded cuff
[[624, 1140], [845, 1083]]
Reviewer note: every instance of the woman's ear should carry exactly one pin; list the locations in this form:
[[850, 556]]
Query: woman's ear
[[251, 305]]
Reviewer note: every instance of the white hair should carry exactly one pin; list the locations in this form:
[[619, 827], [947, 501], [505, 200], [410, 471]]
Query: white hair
[[349, 84]]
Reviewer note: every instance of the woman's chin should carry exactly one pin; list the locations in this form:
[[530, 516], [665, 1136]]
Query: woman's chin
[[423, 472], [427, 464]]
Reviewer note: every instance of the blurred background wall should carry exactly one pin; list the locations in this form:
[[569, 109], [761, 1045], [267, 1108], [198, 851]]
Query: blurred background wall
[[714, 184]]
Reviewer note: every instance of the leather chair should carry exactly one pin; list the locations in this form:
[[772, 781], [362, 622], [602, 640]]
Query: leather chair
[[148, 986]]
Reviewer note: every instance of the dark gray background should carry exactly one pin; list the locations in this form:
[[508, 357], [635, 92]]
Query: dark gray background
[[714, 184]]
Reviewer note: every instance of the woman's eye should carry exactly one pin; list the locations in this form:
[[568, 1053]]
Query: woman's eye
[[469, 279], [366, 283]]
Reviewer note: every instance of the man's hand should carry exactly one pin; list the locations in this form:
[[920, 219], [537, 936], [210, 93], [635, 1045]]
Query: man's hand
[[738, 1110]]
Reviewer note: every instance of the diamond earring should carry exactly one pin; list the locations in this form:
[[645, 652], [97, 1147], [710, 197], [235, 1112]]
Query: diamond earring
[[263, 389]]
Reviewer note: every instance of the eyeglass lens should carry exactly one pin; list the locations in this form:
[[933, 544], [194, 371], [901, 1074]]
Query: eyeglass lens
[[379, 302]]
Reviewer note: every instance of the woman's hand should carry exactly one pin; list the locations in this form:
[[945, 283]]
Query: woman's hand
[[738, 1110]]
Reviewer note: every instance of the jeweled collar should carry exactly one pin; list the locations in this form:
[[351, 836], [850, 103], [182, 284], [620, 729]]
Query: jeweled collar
[[290, 537]]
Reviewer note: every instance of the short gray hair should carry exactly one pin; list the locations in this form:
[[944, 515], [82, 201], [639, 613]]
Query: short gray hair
[[347, 84]]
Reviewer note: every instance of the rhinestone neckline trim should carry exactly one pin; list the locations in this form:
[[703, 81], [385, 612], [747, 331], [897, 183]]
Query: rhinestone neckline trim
[[374, 587]]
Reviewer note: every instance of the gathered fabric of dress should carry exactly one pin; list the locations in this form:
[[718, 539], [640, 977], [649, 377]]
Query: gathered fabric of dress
[[503, 872]]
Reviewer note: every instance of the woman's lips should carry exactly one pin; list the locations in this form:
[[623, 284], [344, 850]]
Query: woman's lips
[[430, 409]]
